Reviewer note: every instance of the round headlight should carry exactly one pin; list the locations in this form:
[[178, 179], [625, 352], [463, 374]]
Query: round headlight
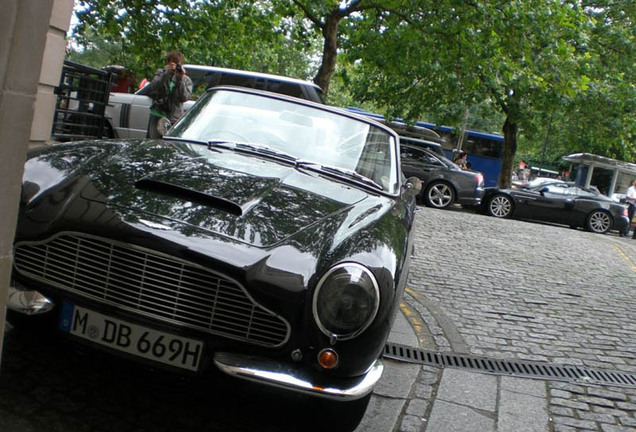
[[346, 301]]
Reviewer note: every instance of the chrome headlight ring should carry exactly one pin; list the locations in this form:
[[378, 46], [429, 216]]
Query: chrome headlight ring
[[346, 301]]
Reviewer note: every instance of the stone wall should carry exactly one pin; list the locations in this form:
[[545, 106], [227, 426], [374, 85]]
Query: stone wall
[[32, 46]]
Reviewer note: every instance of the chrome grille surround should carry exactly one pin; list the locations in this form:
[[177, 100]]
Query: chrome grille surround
[[150, 283]]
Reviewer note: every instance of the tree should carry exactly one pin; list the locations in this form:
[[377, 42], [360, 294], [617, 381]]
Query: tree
[[229, 33], [516, 64], [326, 18], [603, 119], [252, 35], [520, 57]]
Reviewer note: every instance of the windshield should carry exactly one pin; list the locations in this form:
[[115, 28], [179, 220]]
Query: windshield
[[307, 132], [562, 188]]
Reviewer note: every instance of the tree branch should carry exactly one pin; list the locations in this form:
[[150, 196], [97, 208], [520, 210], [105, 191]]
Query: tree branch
[[309, 14], [493, 91]]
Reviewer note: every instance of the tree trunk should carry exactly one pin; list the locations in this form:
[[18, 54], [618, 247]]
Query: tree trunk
[[510, 129], [329, 52]]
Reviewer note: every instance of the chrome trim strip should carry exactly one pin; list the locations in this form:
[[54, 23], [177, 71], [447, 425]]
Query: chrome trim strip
[[292, 377], [152, 284], [28, 302]]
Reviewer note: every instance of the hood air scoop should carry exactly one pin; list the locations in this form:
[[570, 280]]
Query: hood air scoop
[[194, 196]]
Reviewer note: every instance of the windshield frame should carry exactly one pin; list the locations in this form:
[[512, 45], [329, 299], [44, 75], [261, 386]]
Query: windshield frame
[[191, 128]]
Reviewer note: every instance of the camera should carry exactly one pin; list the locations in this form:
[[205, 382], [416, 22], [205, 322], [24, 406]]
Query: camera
[[178, 68]]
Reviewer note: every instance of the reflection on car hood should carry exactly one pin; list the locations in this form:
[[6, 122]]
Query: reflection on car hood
[[220, 192]]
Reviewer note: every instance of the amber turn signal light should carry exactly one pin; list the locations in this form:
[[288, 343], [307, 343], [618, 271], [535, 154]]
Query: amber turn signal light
[[328, 358]]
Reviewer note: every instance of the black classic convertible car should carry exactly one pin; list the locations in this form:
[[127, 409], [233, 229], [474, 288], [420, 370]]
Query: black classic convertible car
[[266, 236]]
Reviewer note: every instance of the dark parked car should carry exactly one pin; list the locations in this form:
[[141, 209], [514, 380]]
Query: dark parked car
[[558, 202], [443, 182], [415, 142], [265, 235]]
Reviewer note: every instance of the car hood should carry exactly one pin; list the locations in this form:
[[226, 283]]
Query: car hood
[[171, 185]]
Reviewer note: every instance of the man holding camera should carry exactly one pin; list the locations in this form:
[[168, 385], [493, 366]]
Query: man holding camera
[[169, 89]]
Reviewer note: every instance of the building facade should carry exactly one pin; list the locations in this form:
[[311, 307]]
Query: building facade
[[32, 48]]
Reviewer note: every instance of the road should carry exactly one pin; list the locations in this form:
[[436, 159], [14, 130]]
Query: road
[[481, 286], [526, 292]]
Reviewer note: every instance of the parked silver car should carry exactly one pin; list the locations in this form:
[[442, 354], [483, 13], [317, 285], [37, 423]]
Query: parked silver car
[[443, 182]]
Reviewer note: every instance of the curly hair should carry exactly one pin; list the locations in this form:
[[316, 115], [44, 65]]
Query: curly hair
[[174, 56]]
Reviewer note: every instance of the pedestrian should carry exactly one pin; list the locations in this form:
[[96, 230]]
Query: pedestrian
[[460, 159], [169, 89], [631, 210]]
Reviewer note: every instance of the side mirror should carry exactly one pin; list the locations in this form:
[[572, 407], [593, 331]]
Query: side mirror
[[413, 186], [544, 190]]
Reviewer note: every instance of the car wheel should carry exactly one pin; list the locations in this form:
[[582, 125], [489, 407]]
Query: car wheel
[[599, 222], [500, 206], [439, 195]]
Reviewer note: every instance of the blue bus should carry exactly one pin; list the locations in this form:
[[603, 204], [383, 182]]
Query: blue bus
[[485, 150]]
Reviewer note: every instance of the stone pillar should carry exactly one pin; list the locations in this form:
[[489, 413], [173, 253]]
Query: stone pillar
[[31, 57]]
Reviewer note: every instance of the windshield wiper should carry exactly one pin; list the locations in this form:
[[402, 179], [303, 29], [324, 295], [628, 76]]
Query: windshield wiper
[[254, 148], [221, 143], [302, 163], [186, 140], [352, 175], [266, 150], [209, 144]]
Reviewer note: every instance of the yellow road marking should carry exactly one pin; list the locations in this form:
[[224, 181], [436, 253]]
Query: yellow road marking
[[415, 320], [411, 292], [625, 257]]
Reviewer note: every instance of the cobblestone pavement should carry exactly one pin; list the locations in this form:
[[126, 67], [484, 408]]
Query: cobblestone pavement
[[478, 285], [528, 291], [517, 290]]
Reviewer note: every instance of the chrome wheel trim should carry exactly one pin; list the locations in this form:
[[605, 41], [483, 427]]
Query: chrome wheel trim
[[500, 206], [600, 222], [440, 195]]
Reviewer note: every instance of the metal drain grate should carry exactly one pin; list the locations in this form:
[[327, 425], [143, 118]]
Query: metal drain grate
[[525, 369]]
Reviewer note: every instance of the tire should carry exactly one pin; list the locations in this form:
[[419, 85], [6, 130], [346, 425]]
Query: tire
[[599, 222], [500, 206], [439, 195]]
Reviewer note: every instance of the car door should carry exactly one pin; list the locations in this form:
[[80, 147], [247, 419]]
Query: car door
[[550, 203]]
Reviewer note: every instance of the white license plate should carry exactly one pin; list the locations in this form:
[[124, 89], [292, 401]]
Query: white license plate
[[131, 338]]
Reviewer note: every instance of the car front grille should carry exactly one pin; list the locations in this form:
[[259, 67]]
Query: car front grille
[[150, 283]]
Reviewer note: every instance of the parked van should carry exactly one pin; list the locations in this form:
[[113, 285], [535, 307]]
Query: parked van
[[127, 114]]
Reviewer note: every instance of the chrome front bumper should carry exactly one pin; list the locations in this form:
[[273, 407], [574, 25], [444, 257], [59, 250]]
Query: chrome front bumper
[[269, 372], [293, 378]]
